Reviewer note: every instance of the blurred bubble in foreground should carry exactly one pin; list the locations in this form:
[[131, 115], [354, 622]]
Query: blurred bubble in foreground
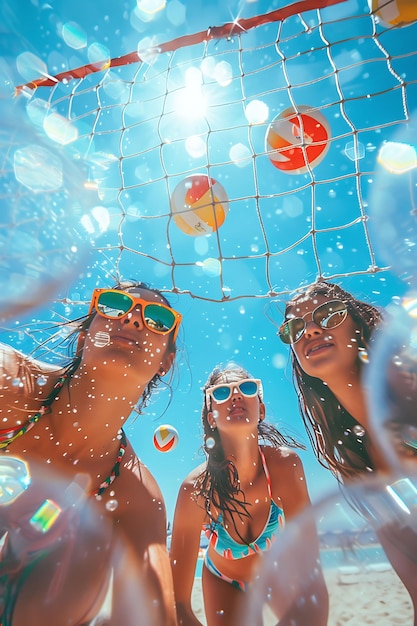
[[61, 554], [393, 202], [357, 575], [14, 479], [43, 202], [391, 382]]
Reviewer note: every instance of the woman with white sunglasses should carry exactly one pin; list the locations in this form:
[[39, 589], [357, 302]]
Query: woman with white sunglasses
[[82, 520], [250, 483]]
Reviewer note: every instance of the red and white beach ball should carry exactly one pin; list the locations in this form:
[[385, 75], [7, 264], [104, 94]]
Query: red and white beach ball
[[165, 438], [395, 12], [295, 139], [199, 205]]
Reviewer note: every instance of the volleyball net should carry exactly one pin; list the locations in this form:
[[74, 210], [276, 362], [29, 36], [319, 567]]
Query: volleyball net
[[237, 162]]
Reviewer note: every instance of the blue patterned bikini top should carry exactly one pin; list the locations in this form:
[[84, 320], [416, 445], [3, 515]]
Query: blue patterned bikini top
[[229, 548]]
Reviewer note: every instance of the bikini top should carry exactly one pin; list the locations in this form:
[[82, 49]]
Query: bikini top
[[229, 548]]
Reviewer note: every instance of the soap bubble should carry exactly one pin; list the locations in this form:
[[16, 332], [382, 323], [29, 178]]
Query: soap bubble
[[42, 204], [393, 202], [352, 568], [60, 551], [391, 382], [14, 479]]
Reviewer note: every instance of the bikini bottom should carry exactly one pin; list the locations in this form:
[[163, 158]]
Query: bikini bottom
[[239, 584]]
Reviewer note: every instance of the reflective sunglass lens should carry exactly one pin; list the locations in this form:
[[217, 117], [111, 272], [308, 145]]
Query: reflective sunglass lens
[[158, 317], [331, 314], [113, 304], [249, 388], [328, 315], [292, 330], [221, 393], [284, 333]]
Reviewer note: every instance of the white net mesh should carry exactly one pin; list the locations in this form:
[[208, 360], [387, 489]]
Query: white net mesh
[[143, 127]]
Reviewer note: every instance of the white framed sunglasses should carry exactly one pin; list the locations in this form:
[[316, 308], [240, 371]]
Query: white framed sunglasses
[[248, 387]]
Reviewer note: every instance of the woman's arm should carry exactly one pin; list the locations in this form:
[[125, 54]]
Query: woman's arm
[[186, 531], [143, 588]]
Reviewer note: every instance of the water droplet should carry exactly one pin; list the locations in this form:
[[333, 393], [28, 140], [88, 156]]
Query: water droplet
[[359, 430], [112, 505], [363, 356]]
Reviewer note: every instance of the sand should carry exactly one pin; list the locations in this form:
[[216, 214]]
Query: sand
[[358, 597]]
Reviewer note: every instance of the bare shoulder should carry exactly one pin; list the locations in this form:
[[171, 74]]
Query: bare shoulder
[[190, 507], [281, 457], [285, 467], [16, 373], [10, 360], [14, 364], [193, 476], [287, 479], [189, 487]]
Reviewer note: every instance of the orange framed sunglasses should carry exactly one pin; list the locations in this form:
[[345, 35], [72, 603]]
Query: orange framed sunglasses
[[156, 316]]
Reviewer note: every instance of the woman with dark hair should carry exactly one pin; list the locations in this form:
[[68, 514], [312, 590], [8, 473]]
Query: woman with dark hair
[[65, 423], [250, 483], [329, 332]]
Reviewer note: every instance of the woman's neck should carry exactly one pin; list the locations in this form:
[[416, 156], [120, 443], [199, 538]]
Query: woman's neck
[[90, 410], [244, 453]]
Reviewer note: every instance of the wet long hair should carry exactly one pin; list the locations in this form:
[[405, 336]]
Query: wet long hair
[[322, 414], [219, 485], [81, 325]]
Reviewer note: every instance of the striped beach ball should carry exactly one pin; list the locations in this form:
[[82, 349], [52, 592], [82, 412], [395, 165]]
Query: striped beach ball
[[298, 139], [395, 12], [199, 205], [165, 438]]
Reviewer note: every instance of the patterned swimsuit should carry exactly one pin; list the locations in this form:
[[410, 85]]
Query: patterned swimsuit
[[227, 547]]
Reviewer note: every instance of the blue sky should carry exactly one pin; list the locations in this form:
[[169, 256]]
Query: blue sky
[[279, 228]]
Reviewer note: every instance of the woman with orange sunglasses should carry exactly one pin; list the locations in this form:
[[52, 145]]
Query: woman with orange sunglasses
[[82, 520]]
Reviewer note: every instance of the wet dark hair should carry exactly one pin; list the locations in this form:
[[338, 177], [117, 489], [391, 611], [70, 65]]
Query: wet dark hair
[[81, 325], [323, 416], [218, 484]]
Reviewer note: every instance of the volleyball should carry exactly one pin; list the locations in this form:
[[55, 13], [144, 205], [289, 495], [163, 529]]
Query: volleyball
[[199, 205], [395, 12], [165, 438], [297, 139]]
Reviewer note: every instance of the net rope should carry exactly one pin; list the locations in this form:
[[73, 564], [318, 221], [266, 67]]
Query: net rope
[[140, 132]]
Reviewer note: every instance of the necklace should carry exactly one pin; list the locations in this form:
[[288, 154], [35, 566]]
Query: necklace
[[116, 468], [8, 435]]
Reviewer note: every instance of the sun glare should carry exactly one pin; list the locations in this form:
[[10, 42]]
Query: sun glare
[[191, 102]]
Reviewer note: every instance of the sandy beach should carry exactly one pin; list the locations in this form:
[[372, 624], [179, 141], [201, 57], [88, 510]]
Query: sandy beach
[[358, 597]]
